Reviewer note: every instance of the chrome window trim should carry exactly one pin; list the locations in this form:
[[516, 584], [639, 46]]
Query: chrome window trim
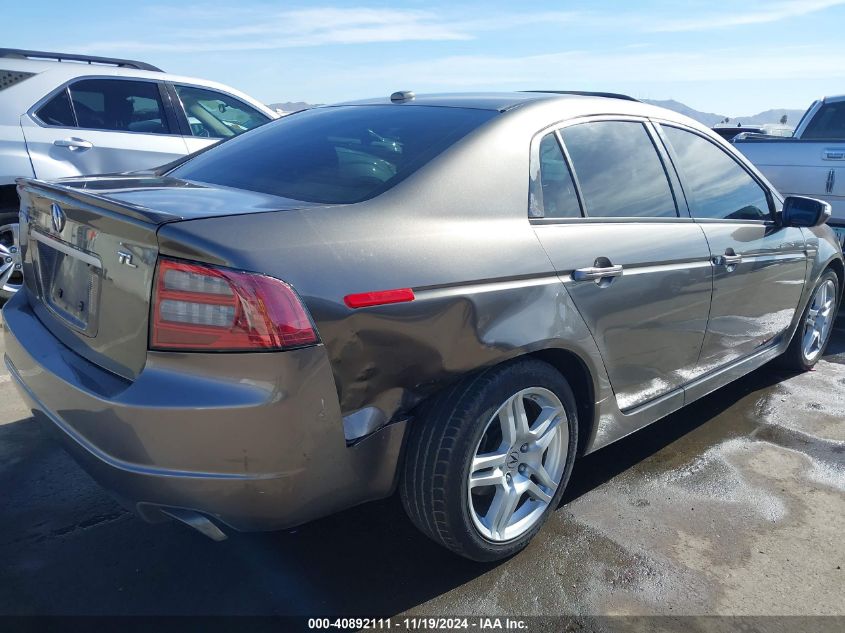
[[732, 221], [617, 220], [31, 113]]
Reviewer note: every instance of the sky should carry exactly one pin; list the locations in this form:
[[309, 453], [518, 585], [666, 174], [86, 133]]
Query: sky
[[731, 58]]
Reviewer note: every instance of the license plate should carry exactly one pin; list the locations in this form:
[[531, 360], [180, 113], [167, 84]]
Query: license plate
[[69, 282]]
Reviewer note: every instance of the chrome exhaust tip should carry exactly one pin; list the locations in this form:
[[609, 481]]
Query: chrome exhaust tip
[[197, 521]]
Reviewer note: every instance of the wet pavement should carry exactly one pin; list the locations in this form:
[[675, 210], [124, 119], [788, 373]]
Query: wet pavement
[[734, 505]]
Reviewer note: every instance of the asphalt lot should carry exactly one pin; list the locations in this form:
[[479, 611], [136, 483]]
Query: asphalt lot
[[735, 505]]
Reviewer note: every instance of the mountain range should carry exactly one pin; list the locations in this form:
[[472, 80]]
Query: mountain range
[[707, 118], [710, 119]]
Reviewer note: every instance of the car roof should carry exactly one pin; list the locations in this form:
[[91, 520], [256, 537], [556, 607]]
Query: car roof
[[541, 108], [500, 101]]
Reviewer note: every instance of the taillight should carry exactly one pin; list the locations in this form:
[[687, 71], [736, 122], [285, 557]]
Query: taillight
[[200, 307]]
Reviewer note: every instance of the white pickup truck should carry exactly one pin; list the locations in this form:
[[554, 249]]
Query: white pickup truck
[[809, 163]]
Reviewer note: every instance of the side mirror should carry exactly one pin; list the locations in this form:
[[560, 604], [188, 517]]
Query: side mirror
[[807, 212]]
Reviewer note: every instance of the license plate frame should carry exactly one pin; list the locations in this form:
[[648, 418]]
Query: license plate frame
[[69, 281]]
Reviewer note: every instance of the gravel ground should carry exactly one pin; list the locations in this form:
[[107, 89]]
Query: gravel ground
[[733, 506]]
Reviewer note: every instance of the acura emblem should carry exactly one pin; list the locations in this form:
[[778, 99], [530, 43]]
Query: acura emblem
[[58, 217]]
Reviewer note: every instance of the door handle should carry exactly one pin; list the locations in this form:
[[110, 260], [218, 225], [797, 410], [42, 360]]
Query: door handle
[[73, 143], [593, 272], [728, 259]]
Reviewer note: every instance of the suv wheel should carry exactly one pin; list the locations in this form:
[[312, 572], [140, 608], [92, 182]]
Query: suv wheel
[[813, 332], [11, 276], [488, 460]]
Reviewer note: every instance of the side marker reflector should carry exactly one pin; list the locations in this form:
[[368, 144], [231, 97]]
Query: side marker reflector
[[378, 298]]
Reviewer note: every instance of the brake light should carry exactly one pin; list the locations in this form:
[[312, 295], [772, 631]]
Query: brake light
[[200, 307]]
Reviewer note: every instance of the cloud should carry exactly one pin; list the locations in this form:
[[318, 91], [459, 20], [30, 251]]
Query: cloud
[[580, 69], [254, 29], [766, 13]]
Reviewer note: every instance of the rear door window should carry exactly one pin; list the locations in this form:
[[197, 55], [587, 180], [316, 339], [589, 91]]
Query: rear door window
[[829, 122], [717, 187], [553, 192], [334, 155], [213, 114], [119, 105], [619, 170], [57, 111]]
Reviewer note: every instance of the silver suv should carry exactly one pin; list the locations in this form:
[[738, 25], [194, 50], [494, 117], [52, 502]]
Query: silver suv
[[69, 115], [455, 295]]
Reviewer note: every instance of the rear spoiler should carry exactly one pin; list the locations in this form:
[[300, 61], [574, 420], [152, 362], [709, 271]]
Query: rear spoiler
[[77, 193]]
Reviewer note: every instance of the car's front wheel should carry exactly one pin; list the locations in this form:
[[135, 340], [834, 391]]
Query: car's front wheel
[[813, 332], [11, 277], [488, 460]]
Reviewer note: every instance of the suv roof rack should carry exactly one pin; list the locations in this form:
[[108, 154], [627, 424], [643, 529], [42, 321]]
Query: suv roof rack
[[587, 93], [17, 53]]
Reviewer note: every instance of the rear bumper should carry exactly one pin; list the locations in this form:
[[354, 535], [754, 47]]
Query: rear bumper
[[254, 441]]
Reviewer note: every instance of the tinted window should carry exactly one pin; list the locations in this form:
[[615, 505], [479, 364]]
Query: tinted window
[[619, 170], [829, 122], [213, 114], [715, 184], [552, 189], [57, 111], [334, 155], [124, 106]]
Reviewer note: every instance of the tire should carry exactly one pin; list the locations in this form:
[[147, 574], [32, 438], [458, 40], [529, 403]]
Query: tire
[[463, 422], [11, 279], [800, 356]]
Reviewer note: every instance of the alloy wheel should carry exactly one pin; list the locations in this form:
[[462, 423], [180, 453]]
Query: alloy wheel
[[11, 276], [518, 464], [819, 321]]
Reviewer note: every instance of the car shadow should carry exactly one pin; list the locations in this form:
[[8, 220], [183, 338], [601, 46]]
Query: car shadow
[[67, 548]]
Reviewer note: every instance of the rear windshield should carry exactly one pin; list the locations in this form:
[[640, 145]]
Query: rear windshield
[[335, 155]]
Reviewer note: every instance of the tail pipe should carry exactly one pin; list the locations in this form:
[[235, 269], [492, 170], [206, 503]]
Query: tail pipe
[[197, 521]]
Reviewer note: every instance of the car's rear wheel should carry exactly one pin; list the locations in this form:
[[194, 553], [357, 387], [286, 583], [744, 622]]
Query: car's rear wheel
[[488, 460], [11, 277], [813, 333]]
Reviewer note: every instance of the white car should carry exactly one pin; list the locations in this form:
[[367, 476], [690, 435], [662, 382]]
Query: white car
[[70, 115]]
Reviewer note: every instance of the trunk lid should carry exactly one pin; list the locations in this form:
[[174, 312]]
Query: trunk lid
[[89, 249]]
